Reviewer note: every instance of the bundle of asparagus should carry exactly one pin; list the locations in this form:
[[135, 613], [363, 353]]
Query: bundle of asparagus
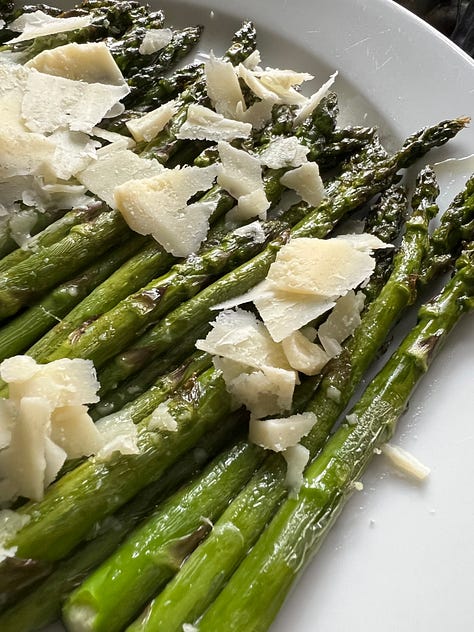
[[197, 526]]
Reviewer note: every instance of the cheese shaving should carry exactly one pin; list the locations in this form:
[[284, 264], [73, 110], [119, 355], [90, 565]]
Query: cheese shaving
[[39, 24], [406, 462], [282, 433], [149, 125], [284, 152], [204, 124], [306, 181], [296, 458], [155, 40], [303, 355], [223, 86], [311, 104]]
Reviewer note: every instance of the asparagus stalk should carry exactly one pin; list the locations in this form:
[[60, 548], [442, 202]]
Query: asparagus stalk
[[97, 488], [20, 333], [177, 604], [351, 190], [253, 596], [53, 264], [42, 605], [92, 607]]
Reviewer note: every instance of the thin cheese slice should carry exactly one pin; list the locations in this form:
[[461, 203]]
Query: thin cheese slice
[[273, 84], [162, 419], [284, 152], [280, 434], [265, 392], [258, 114], [204, 124], [285, 312], [365, 242], [74, 431], [114, 166], [73, 152], [157, 206], [149, 125], [325, 267], [241, 175], [51, 102], [406, 462], [296, 458], [306, 181], [39, 24], [304, 356], [341, 322], [239, 336], [154, 40], [311, 104], [91, 62], [223, 86], [118, 434]]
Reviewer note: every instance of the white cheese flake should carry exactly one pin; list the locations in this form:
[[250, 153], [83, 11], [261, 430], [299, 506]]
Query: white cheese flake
[[341, 322], [284, 152], [91, 62], [149, 125], [304, 356], [306, 182], [405, 462], [162, 419], [204, 124], [116, 165], [282, 433], [296, 458], [240, 174], [253, 231], [275, 85], [325, 267], [334, 394], [157, 206], [154, 40], [313, 101], [52, 102], [223, 86], [39, 24]]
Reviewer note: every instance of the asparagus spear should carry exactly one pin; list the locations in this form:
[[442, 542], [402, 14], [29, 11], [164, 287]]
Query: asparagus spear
[[177, 604], [74, 503], [20, 333], [352, 189], [253, 596], [53, 264], [42, 605]]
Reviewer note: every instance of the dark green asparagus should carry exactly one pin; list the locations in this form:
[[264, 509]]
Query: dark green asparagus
[[256, 591], [353, 188]]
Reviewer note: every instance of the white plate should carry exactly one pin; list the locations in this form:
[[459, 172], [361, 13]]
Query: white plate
[[401, 556]]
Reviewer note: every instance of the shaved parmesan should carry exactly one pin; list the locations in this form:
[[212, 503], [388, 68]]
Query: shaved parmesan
[[405, 462], [241, 175], [114, 166], [148, 126], [311, 104], [239, 336], [325, 267], [39, 24], [306, 181], [253, 60], [280, 434], [273, 84], [157, 206], [253, 231], [223, 86], [73, 152], [118, 434], [204, 124], [296, 458], [343, 320], [284, 152], [74, 431], [91, 62], [52, 102], [113, 137], [265, 392], [155, 40], [258, 114], [365, 242], [285, 312], [303, 355], [162, 419]]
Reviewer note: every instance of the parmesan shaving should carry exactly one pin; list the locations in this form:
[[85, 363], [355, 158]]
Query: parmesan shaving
[[39, 24], [282, 433], [240, 174], [253, 231], [296, 458], [223, 86], [341, 322], [91, 62], [204, 124], [275, 85], [148, 126], [162, 419], [311, 104], [405, 462], [303, 355], [116, 165], [284, 152], [306, 181], [157, 206], [155, 40]]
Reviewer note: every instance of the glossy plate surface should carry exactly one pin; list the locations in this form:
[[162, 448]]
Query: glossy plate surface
[[401, 556]]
